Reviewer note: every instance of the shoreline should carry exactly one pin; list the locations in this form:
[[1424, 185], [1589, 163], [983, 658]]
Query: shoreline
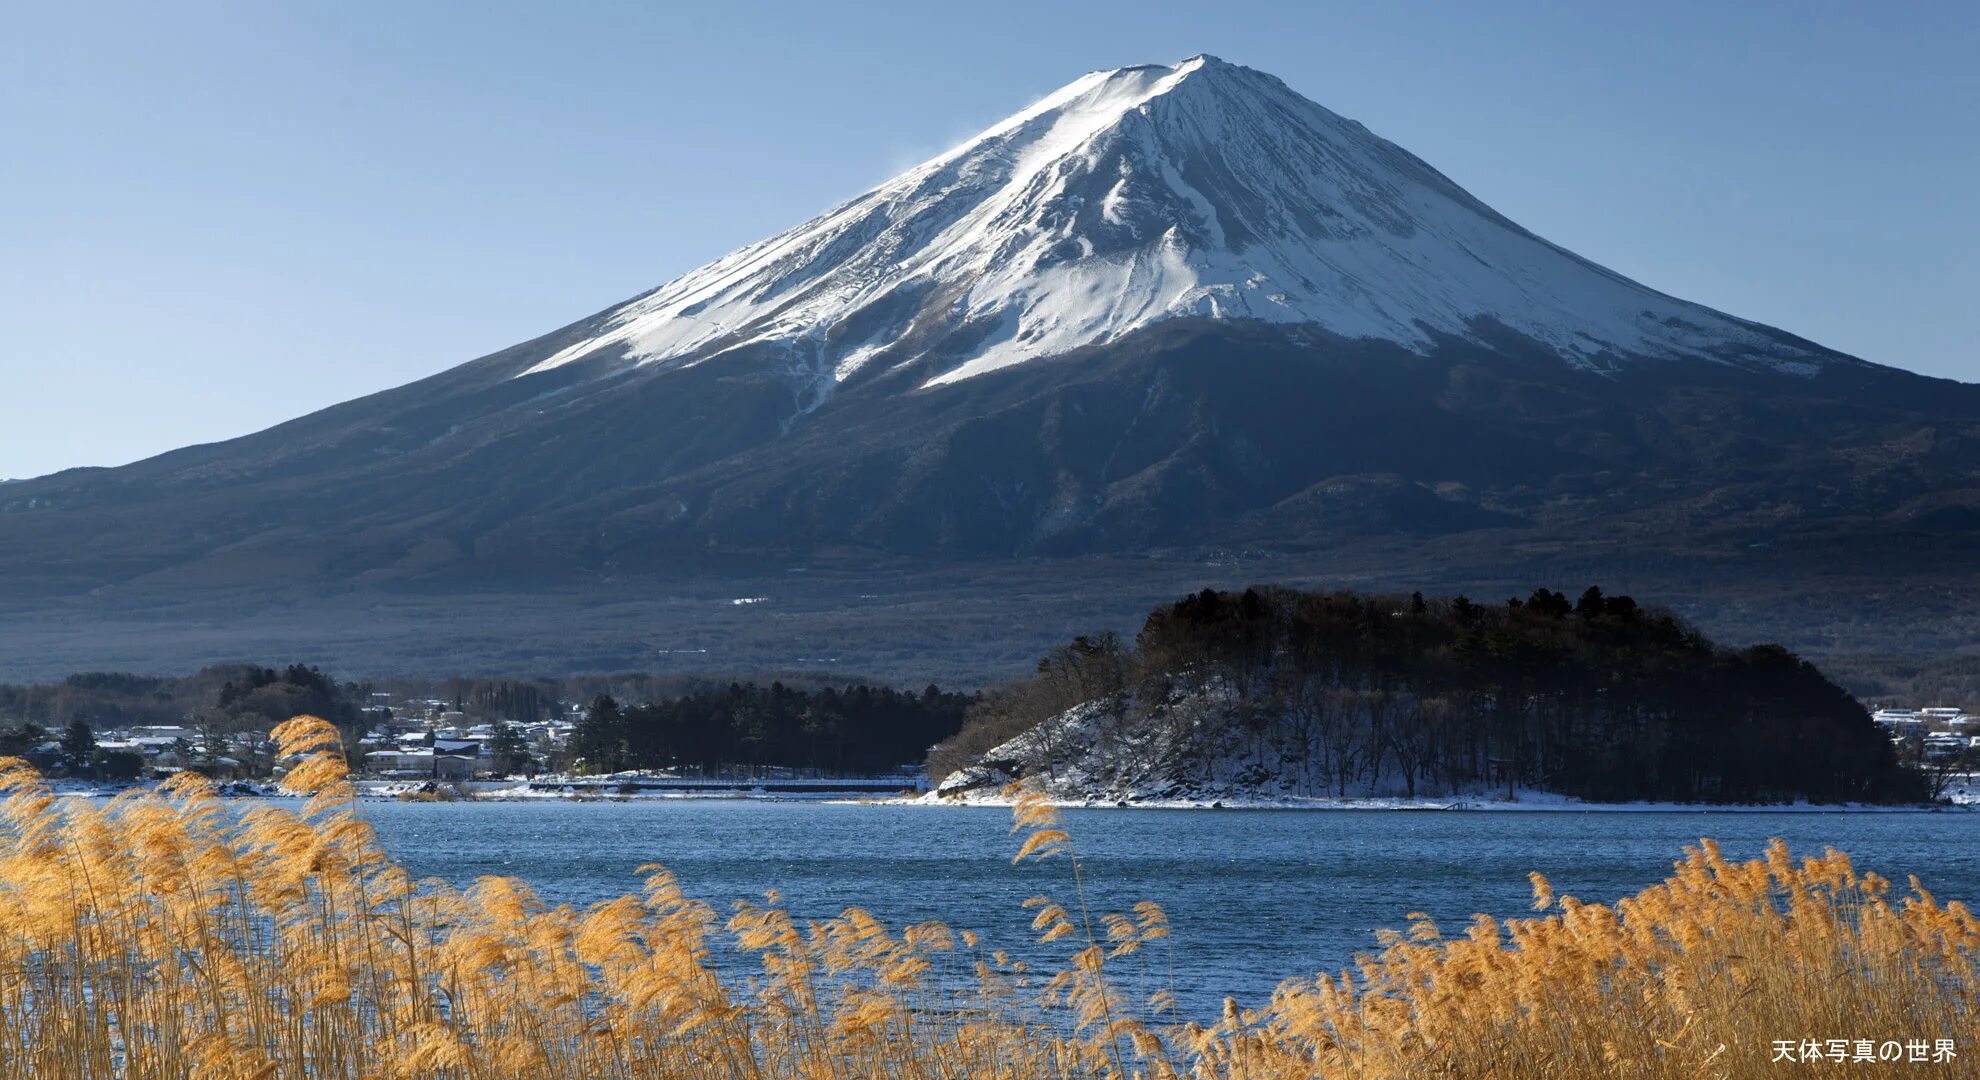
[[1963, 800], [1535, 803]]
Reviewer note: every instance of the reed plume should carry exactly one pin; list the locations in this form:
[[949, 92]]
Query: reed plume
[[169, 935]]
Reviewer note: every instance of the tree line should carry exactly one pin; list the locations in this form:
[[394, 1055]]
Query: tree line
[[700, 722], [1597, 697], [854, 730], [233, 697]]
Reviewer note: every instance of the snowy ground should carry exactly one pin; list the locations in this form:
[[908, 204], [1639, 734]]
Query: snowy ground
[[1965, 791], [1962, 796], [628, 788], [579, 789], [231, 789], [1537, 801]]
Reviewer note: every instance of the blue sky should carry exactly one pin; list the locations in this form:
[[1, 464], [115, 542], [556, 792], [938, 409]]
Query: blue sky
[[216, 216]]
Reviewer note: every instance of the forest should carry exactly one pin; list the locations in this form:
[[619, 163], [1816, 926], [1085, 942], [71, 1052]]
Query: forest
[[702, 723], [1599, 697], [221, 698], [854, 730]]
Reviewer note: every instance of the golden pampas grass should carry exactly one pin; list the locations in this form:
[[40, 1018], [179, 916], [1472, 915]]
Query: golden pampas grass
[[165, 936]]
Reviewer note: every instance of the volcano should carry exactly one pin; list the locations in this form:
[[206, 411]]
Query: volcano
[[1171, 325], [1143, 194]]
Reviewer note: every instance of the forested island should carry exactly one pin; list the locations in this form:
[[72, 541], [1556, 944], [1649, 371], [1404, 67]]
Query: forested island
[[855, 730], [1279, 693]]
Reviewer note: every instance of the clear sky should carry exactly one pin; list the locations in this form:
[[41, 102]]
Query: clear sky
[[216, 216]]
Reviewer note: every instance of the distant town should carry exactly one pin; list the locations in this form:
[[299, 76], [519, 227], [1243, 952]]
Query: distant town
[[112, 730], [1937, 732], [427, 739]]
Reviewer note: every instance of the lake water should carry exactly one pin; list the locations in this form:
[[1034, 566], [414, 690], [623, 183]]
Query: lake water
[[1253, 896]]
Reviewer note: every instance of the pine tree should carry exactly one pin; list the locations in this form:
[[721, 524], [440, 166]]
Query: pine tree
[[600, 738], [78, 744], [509, 749]]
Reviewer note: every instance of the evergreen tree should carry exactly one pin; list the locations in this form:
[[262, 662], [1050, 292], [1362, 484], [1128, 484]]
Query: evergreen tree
[[509, 750], [78, 745], [600, 738]]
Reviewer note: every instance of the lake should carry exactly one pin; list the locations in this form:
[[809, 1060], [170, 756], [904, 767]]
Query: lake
[[1253, 896]]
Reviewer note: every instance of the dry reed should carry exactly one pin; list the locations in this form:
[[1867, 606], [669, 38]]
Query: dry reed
[[163, 935]]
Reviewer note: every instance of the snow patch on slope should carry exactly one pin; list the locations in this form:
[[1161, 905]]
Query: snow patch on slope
[[1194, 756], [1148, 193]]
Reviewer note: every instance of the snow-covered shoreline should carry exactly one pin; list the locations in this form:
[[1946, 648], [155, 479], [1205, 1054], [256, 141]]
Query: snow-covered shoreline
[[1527, 802], [516, 791], [226, 789], [1962, 798]]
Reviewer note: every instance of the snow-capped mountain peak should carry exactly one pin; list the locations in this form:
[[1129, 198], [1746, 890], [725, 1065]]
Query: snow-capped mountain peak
[[1146, 193]]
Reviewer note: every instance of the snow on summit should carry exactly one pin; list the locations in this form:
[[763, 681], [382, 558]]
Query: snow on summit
[[1147, 193]]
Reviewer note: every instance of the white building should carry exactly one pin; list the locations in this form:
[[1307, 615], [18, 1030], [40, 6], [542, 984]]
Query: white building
[[1945, 746], [400, 762], [1899, 719]]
